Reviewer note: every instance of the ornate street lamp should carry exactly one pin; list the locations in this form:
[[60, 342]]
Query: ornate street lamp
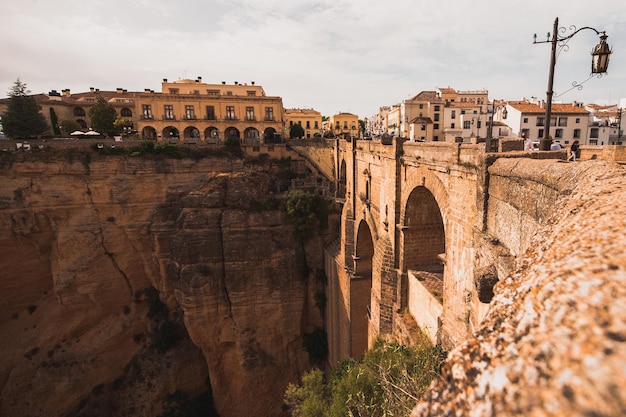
[[494, 108], [599, 64]]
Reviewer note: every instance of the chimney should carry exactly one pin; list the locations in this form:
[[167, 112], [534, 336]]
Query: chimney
[[223, 82], [199, 79], [146, 90], [91, 89], [164, 80], [236, 83], [119, 90], [252, 82], [66, 92]]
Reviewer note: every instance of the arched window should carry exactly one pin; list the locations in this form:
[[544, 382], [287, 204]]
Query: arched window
[[126, 112], [79, 112]]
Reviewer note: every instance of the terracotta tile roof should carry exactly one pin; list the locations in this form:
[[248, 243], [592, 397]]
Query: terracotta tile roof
[[447, 90], [526, 107], [429, 96]]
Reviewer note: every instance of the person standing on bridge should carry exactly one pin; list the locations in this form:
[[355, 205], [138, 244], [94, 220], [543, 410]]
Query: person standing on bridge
[[573, 152], [528, 144]]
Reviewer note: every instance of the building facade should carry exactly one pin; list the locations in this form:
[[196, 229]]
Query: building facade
[[309, 119], [183, 110], [345, 125], [193, 110], [569, 122]]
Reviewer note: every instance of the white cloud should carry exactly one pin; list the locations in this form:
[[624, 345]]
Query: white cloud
[[332, 55]]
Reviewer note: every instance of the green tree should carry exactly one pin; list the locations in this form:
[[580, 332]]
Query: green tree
[[387, 380], [23, 117], [68, 126], [103, 116], [122, 125], [312, 398], [296, 131], [54, 121], [307, 213]]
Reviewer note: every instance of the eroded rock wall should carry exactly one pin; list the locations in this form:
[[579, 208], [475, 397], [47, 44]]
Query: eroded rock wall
[[82, 241]]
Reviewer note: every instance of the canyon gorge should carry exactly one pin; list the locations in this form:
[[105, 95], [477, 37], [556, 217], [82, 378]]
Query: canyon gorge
[[126, 279]]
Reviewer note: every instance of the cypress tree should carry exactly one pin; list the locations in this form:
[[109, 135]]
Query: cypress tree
[[23, 117]]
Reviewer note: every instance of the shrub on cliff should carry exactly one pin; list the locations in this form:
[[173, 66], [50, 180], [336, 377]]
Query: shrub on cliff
[[385, 381], [307, 212]]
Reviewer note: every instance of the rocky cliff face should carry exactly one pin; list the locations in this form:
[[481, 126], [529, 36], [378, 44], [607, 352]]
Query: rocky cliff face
[[82, 244]]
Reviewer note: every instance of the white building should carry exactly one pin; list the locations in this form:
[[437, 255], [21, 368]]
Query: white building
[[569, 122]]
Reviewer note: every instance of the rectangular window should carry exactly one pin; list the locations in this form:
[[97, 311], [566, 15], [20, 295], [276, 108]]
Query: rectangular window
[[540, 134], [147, 111], [578, 120], [421, 106], [230, 112], [558, 133], [308, 124], [562, 121], [189, 113], [576, 133], [210, 112], [169, 112], [466, 124], [316, 125], [213, 92], [436, 126], [269, 114], [250, 113], [453, 115], [251, 93], [437, 107], [173, 90], [541, 121], [525, 120], [553, 121], [594, 133], [436, 117]]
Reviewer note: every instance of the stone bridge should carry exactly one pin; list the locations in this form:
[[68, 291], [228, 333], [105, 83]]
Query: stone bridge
[[427, 230]]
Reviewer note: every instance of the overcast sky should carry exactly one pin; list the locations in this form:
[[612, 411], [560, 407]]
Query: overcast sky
[[331, 55]]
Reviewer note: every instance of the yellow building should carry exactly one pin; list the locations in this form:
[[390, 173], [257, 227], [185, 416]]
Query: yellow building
[[309, 119], [185, 109], [344, 124], [191, 109]]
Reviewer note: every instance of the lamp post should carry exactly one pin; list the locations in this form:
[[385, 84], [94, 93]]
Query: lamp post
[[599, 64], [619, 127], [494, 107]]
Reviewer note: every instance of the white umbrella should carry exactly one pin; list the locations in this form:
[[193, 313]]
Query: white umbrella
[[92, 133], [77, 132]]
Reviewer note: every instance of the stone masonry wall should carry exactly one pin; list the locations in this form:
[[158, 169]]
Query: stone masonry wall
[[553, 342]]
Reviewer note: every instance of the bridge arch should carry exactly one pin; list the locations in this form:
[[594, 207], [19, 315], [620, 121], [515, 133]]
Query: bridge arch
[[341, 183], [423, 232], [361, 290]]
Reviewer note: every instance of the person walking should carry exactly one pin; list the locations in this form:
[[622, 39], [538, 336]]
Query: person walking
[[573, 151]]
